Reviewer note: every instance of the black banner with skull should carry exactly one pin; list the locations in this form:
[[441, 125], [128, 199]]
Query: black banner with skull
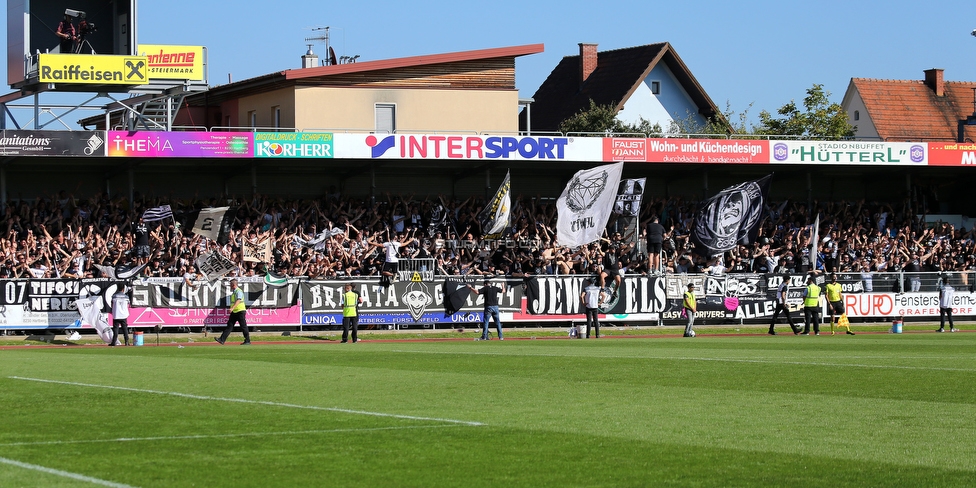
[[730, 218]]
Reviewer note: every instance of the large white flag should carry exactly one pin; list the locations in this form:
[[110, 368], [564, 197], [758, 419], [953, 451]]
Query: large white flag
[[586, 203]]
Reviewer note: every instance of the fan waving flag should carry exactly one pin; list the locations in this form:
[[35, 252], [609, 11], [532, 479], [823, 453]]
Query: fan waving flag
[[730, 218], [629, 197], [586, 203], [496, 216], [158, 213], [214, 223]]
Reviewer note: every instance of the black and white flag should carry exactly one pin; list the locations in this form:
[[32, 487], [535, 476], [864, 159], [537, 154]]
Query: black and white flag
[[629, 197], [496, 216], [158, 213], [213, 265], [318, 241], [586, 203], [731, 217], [214, 223]]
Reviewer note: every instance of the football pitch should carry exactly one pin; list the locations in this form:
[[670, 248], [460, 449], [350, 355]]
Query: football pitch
[[867, 410]]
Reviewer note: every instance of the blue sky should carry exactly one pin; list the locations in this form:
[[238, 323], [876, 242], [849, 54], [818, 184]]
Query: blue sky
[[763, 53]]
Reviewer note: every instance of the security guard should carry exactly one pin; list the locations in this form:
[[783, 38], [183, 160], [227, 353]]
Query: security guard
[[689, 307], [350, 313], [238, 313], [811, 307]]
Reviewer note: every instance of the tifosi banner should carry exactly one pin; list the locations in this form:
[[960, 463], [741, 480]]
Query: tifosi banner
[[174, 62], [95, 69], [52, 143]]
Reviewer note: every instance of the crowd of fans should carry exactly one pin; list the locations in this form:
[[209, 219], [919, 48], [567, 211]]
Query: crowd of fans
[[64, 236]]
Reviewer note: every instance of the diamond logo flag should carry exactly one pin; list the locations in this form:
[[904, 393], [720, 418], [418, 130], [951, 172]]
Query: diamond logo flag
[[586, 203]]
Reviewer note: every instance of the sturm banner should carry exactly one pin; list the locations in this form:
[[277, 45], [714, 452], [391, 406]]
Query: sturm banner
[[175, 293]]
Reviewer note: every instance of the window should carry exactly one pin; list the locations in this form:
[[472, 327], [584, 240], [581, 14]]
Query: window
[[857, 115], [252, 118], [656, 87], [277, 117], [385, 118]]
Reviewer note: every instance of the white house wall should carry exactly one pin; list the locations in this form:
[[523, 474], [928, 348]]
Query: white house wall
[[673, 103]]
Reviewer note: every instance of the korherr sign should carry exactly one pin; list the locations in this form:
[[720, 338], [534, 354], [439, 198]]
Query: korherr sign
[[96, 69]]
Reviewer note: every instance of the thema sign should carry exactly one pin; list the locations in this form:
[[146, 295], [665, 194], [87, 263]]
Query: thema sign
[[110, 29]]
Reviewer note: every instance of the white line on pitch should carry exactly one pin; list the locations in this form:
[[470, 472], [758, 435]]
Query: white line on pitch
[[220, 436], [65, 474], [666, 358], [253, 402]]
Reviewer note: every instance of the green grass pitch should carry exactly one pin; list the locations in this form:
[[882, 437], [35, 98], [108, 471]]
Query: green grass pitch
[[868, 410]]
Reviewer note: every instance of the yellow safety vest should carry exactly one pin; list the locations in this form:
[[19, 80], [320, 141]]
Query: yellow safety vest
[[349, 302], [833, 292], [689, 300], [813, 296], [237, 293]]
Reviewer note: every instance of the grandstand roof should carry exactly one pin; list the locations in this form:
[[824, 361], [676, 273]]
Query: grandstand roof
[[916, 110], [616, 76]]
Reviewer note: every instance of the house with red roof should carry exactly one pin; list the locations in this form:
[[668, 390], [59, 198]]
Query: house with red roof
[[465, 92], [931, 109], [649, 82]]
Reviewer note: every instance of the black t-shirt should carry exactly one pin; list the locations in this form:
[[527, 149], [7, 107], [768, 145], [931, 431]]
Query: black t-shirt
[[655, 233], [490, 293], [142, 235]]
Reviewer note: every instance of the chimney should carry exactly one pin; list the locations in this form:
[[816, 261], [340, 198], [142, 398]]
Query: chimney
[[310, 60], [587, 61], [935, 81]]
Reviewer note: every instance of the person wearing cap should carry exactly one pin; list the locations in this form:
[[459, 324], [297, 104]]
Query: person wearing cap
[[811, 307], [237, 315], [835, 303], [490, 292], [350, 313], [689, 307]]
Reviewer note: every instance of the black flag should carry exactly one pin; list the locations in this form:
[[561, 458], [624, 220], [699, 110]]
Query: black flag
[[730, 218]]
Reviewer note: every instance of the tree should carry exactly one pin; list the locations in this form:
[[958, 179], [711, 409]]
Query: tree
[[603, 119], [820, 120], [597, 118]]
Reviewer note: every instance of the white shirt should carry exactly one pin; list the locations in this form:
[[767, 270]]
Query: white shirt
[[591, 296], [120, 306], [392, 249], [945, 298]]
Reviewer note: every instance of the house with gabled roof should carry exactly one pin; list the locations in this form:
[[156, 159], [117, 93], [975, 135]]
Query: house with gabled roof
[[912, 110], [466, 92], [649, 82]]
